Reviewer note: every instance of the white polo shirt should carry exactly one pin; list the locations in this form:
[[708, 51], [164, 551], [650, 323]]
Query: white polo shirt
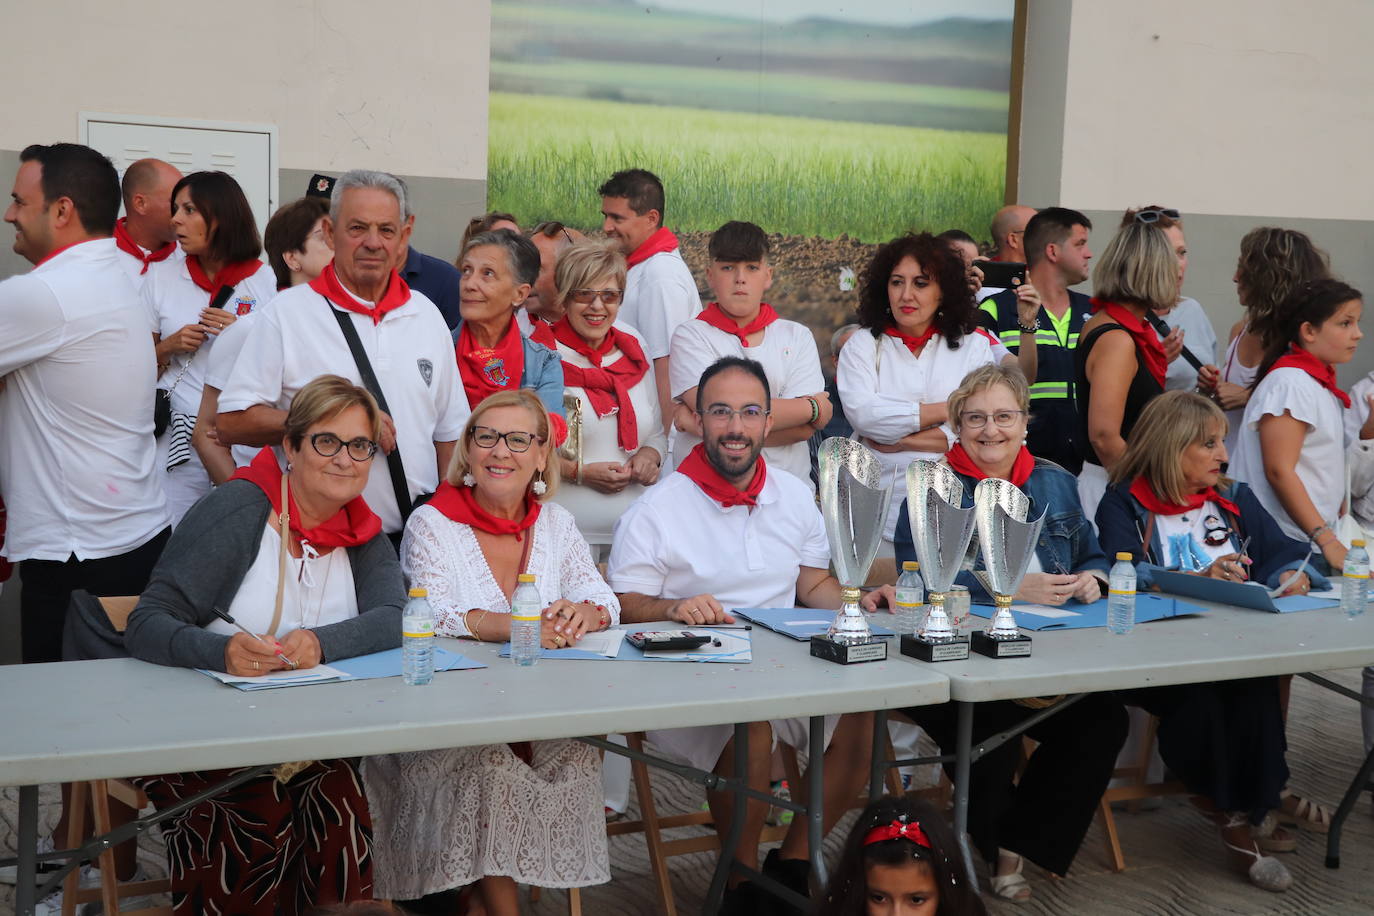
[[789, 358], [219, 368], [411, 351], [176, 301], [675, 542], [660, 294], [77, 450], [134, 267]]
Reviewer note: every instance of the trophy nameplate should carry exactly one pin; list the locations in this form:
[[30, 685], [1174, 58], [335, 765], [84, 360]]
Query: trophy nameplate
[[941, 528], [1008, 544], [854, 507]]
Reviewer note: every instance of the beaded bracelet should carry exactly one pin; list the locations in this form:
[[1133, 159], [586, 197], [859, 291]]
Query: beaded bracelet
[[815, 411]]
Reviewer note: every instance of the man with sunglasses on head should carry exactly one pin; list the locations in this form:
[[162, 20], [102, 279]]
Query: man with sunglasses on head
[[542, 304], [727, 530], [1057, 256]]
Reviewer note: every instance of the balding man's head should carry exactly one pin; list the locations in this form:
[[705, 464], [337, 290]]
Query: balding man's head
[[1008, 226], [147, 191]]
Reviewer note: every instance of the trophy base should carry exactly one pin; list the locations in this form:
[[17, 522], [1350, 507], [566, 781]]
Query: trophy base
[[953, 651], [873, 649], [1016, 647]]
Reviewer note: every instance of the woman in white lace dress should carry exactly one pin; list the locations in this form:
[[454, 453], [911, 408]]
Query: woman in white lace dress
[[501, 814]]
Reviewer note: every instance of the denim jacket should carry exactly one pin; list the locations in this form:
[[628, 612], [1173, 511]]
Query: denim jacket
[[1122, 520], [543, 372], [1067, 540]]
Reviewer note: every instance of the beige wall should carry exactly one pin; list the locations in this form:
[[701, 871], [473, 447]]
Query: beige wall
[[400, 86]]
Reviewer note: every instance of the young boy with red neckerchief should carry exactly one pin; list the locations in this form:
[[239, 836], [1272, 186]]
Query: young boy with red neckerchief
[[740, 323]]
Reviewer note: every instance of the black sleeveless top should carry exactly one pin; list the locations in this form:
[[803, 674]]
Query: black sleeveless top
[[1143, 389]]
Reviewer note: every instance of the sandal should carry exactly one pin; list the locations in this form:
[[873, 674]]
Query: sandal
[[1265, 872], [1298, 811], [1012, 886], [1271, 836]]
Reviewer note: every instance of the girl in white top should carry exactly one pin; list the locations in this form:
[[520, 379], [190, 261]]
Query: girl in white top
[[1273, 264], [192, 301], [616, 442], [894, 380], [739, 323], [1292, 442]]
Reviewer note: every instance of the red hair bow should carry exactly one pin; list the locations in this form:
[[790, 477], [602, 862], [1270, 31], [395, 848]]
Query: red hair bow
[[898, 830]]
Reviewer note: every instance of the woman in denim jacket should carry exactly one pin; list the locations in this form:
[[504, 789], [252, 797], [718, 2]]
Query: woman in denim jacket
[[1170, 507], [1045, 814]]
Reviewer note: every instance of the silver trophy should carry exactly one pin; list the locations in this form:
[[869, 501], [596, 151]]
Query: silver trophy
[[1008, 543], [854, 506], [941, 528]]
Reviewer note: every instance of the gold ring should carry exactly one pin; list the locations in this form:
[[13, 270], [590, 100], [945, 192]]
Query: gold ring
[[559, 640]]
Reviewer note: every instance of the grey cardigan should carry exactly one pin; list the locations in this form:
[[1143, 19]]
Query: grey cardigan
[[204, 564]]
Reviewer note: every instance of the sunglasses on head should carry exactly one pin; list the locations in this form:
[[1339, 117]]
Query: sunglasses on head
[[1152, 214]]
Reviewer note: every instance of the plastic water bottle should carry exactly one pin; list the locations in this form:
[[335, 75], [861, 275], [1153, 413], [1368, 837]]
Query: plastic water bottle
[[417, 639], [1121, 595], [1355, 579], [525, 612], [911, 594]]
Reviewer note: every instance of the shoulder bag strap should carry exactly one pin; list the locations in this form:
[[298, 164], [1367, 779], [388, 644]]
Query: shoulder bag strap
[[393, 459], [284, 522]]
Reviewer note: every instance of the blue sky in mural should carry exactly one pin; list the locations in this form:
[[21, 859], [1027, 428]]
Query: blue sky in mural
[[894, 12]]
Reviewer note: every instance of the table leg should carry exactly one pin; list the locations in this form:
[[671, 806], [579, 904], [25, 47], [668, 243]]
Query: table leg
[[815, 814], [963, 755], [28, 850], [727, 849], [1333, 836], [878, 766]]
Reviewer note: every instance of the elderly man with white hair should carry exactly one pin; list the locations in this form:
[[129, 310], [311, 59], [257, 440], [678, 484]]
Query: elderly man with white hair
[[360, 320]]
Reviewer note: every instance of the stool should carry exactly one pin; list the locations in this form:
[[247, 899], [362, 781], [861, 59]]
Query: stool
[[97, 793]]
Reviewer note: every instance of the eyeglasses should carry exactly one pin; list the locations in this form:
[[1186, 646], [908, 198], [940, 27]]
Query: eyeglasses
[[751, 415], [550, 228], [588, 296], [1152, 214], [975, 419], [516, 441], [327, 445]]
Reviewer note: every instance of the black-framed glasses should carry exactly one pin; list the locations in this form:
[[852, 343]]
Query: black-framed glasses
[[1152, 214], [516, 440], [751, 415], [327, 445], [588, 296], [551, 227], [976, 419]]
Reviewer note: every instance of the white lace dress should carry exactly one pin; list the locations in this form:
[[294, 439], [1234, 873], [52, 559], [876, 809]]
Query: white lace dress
[[443, 819]]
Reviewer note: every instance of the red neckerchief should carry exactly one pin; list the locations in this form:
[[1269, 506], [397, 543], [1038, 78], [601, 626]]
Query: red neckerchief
[[662, 240], [352, 525], [715, 316], [1145, 495], [1298, 358], [487, 370], [327, 284], [230, 275], [56, 251], [898, 830], [459, 505], [696, 467], [959, 461], [1147, 342], [608, 387], [126, 244], [912, 343]]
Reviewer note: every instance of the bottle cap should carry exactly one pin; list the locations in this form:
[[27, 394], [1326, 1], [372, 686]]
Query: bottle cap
[[1123, 555], [525, 577], [419, 593], [910, 564], [1357, 543]]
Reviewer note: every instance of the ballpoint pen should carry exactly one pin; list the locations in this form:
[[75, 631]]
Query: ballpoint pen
[[224, 615]]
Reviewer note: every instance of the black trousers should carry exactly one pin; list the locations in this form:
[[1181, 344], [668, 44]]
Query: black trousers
[[1045, 815], [1224, 740], [48, 585]]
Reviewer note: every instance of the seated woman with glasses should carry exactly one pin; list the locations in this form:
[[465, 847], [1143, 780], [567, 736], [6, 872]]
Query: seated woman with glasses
[[616, 441], [1045, 814], [499, 269], [1170, 507], [496, 815], [341, 596]]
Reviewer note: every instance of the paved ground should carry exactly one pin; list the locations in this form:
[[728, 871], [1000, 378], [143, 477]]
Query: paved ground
[[1175, 863]]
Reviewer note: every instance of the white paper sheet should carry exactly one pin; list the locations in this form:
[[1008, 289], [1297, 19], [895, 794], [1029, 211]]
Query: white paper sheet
[[1042, 610]]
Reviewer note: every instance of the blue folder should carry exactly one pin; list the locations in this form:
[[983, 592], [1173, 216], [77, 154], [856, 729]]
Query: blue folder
[[1075, 616], [798, 622], [1239, 594], [388, 664]]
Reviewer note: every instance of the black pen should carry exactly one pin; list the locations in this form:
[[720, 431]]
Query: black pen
[[224, 615], [721, 626]]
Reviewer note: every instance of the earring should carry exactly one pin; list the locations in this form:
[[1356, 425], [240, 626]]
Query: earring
[[288, 467], [539, 487], [469, 480]]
